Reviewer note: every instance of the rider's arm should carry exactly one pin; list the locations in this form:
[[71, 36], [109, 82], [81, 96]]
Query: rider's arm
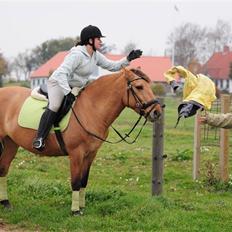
[[111, 65]]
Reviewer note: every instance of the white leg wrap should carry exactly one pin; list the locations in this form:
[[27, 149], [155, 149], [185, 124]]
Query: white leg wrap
[[3, 188], [75, 201], [82, 197]]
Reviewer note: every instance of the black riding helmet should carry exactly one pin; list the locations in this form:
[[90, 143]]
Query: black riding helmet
[[89, 32]]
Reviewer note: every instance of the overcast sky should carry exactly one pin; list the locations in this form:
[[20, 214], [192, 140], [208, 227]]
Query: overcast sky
[[26, 24]]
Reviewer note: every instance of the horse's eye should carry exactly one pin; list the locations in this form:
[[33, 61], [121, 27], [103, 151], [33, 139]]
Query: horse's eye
[[139, 87]]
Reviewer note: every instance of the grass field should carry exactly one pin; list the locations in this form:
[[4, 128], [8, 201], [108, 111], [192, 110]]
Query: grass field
[[119, 190]]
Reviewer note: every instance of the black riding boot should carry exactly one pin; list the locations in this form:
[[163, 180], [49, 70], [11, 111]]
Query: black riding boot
[[45, 125]]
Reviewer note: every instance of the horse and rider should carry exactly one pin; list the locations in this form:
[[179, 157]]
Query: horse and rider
[[97, 106]]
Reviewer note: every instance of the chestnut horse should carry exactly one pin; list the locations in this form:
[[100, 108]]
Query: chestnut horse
[[96, 108]]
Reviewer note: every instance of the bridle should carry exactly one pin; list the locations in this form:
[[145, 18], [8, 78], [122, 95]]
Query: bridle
[[142, 106]]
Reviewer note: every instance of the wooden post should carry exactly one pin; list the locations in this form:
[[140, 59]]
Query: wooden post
[[157, 155], [224, 141], [197, 146]]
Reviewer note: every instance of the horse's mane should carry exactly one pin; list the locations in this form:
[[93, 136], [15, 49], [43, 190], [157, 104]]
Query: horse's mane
[[141, 74], [101, 79]]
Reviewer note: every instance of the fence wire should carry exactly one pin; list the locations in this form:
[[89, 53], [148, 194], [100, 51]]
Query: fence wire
[[210, 136]]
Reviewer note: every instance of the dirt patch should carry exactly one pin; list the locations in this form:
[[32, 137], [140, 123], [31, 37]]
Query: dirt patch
[[12, 228]]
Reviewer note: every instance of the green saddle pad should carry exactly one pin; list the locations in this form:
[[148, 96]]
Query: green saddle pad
[[31, 112]]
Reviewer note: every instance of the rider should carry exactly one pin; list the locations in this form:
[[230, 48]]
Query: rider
[[75, 71]]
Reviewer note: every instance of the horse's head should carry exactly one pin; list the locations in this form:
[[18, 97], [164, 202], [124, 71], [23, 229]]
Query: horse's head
[[140, 96]]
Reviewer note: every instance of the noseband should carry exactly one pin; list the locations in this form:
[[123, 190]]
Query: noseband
[[142, 106]]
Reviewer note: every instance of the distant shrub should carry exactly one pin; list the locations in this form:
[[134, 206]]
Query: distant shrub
[[18, 83], [182, 155], [158, 89]]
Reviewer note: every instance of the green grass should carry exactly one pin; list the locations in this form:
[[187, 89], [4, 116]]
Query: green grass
[[119, 190]]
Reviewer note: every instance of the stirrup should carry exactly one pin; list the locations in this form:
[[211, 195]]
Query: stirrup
[[38, 144]]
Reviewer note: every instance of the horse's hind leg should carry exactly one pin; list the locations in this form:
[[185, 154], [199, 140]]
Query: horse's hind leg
[[8, 151]]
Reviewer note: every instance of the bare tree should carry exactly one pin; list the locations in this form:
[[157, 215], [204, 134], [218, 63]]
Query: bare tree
[[192, 42], [219, 36], [185, 42], [27, 61], [21, 66]]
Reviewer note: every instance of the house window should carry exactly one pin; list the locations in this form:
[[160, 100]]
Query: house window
[[227, 84], [221, 83]]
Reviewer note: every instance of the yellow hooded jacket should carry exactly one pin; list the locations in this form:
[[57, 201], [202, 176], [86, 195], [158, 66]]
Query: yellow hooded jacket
[[198, 88]]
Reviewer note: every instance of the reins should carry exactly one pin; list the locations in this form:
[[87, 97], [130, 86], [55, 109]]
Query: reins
[[139, 104], [123, 138]]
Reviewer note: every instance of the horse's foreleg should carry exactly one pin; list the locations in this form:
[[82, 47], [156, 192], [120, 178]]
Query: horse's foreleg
[[85, 176], [8, 152], [84, 182], [76, 162]]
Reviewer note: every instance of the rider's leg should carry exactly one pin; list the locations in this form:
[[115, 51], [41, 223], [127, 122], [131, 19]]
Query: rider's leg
[[55, 96], [46, 122]]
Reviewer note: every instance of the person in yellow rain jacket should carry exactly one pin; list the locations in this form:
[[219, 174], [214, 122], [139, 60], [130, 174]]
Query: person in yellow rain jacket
[[198, 91], [218, 120]]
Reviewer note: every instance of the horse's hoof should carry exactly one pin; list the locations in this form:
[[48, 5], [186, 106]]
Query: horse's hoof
[[77, 213], [6, 204]]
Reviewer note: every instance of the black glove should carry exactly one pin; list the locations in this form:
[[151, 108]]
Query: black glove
[[134, 54], [188, 109]]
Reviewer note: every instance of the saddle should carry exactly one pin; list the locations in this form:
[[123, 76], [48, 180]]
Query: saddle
[[41, 93]]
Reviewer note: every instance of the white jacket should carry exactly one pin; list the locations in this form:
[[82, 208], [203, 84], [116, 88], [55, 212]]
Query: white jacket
[[78, 66]]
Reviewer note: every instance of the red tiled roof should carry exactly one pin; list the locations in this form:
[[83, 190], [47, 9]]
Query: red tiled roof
[[153, 66], [218, 66], [51, 65]]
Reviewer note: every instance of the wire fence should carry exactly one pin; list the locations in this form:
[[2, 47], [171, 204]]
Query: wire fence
[[210, 136]]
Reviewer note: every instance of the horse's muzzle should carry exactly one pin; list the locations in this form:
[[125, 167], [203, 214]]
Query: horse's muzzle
[[155, 114]]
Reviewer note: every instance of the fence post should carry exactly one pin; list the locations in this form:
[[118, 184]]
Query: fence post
[[224, 141], [196, 147], [157, 155]]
